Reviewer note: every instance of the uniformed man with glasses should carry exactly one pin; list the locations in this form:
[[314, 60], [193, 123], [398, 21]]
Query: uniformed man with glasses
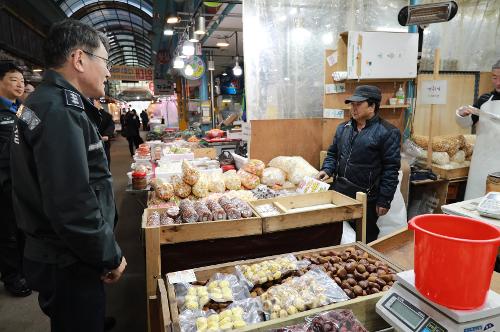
[[62, 187]]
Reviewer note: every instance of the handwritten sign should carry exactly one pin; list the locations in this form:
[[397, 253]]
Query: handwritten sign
[[434, 92], [181, 277], [333, 113]]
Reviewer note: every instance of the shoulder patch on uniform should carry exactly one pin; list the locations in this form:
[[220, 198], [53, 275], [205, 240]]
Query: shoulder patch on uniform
[[28, 116], [73, 99]]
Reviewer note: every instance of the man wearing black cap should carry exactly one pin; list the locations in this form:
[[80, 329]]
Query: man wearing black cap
[[365, 156]]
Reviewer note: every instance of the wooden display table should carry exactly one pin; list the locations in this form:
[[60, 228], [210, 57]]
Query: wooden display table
[[186, 246], [363, 307]]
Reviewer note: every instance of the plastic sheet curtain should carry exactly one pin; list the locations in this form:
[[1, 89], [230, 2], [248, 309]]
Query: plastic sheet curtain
[[469, 42], [284, 44]]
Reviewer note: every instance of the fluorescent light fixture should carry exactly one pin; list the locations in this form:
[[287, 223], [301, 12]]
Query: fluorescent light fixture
[[168, 32], [173, 19], [226, 100], [222, 44], [224, 74], [200, 26], [178, 63], [37, 70], [137, 97], [237, 71], [188, 70], [211, 65], [188, 48], [193, 38], [427, 13]]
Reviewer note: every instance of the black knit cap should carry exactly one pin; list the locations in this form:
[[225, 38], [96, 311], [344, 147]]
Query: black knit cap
[[364, 92]]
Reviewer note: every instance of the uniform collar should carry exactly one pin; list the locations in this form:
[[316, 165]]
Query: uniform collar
[[54, 78], [6, 104]]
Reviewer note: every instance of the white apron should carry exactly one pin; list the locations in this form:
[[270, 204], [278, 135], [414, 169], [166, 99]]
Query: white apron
[[486, 156]]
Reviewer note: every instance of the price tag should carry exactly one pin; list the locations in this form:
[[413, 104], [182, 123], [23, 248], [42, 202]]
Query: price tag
[[178, 277]]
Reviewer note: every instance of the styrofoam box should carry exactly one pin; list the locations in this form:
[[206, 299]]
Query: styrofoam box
[[177, 157]]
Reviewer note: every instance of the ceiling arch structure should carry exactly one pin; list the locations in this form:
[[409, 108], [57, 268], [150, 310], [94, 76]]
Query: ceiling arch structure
[[127, 23]]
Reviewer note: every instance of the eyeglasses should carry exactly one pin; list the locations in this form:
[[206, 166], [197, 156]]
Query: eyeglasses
[[109, 63]]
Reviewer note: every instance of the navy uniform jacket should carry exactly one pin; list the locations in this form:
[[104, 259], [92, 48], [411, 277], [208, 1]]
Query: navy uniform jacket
[[62, 187]]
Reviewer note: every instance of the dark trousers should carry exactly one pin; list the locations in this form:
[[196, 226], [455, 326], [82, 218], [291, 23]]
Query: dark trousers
[[133, 141], [372, 229], [11, 239], [73, 296]]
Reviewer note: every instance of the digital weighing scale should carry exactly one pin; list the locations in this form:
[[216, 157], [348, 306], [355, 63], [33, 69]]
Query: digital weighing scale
[[405, 309]]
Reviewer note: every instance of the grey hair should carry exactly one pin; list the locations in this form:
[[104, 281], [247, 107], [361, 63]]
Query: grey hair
[[65, 36], [496, 65]]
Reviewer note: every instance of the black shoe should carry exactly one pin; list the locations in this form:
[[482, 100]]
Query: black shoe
[[109, 323], [18, 288]]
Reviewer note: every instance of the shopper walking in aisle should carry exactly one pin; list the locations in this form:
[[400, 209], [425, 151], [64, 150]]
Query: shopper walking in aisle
[[145, 120], [132, 126], [365, 156], [485, 114], [106, 128], [62, 187], [11, 239]]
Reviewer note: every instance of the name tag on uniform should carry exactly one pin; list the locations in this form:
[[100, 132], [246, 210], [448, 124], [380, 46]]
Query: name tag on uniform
[[95, 146]]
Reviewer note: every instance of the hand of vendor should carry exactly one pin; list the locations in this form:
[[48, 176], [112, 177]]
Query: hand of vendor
[[381, 211], [467, 110], [114, 275], [105, 138], [322, 176]]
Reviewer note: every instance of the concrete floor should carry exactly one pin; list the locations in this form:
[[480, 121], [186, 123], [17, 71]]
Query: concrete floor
[[126, 300]]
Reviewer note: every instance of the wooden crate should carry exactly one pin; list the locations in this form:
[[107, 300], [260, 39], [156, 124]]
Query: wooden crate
[[363, 307], [205, 152], [341, 208], [450, 174], [206, 230]]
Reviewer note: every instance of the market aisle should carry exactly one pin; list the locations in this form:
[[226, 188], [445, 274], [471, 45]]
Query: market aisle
[[126, 299]]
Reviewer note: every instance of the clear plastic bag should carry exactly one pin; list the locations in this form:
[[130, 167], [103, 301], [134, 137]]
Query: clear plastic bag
[[263, 192], [154, 219], [181, 188], [272, 176], [216, 183], [190, 175], [204, 213], [312, 290], [296, 168], [224, 287], [237, 315], [248, 180], [260, 273], [191, 297], [255, 167], [232, 180], [187, 211], [242, 206], [164, 190], [458, 157], [335, 321], [200, 189]]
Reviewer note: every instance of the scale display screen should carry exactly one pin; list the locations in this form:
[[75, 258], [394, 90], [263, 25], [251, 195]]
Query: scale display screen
[[411, 317]]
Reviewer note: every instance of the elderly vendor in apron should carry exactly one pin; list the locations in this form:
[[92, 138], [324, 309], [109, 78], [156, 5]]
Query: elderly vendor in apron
[[485, 114]]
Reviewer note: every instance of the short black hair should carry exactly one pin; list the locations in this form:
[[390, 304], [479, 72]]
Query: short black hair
[[376, 102], [65, 36], [8, 67]]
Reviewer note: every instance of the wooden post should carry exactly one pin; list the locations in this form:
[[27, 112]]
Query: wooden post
[[153, 259], [437, 60], [361, 223]]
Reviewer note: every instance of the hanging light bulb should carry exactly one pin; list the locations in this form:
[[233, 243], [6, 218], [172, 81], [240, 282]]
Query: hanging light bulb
[[224, 74], [173, 19], [188, 70], [200, 26], [178, 62], [192, 37], [237, 71], [222, 44], [168, 32], [188, 48]]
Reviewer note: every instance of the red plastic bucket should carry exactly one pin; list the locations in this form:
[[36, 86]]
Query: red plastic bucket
[[454, 259]]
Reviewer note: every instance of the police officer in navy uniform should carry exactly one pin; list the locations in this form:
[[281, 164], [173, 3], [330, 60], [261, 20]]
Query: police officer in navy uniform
[[11, 239], [62, 187]]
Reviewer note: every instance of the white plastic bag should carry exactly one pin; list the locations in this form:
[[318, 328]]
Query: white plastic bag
[[273, 176], [396, 217]]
